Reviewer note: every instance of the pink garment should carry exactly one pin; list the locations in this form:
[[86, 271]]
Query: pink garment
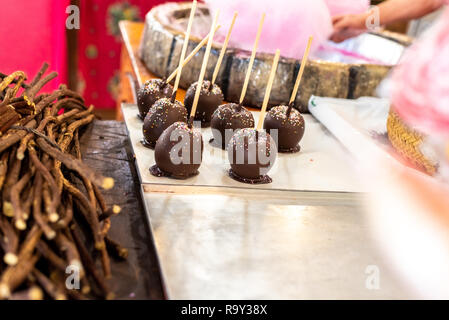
[[32, 32], [339, 7], [421, 81], [288, 24]]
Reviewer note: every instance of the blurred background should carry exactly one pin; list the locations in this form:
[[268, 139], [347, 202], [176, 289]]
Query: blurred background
[[87, 59], [90, 60]]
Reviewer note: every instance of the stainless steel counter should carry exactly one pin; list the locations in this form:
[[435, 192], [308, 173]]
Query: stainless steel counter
[[235, 243], [216, 243]]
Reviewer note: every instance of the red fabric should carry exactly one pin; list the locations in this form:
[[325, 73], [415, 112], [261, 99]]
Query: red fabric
[[99, 55], [32, 32]]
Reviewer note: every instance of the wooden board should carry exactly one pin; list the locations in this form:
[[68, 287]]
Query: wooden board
[[106, 148]]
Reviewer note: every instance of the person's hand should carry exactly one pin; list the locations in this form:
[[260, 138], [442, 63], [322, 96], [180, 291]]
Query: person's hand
[[348, 26]]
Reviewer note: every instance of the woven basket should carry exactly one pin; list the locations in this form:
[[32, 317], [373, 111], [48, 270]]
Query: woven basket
[[407, 142]]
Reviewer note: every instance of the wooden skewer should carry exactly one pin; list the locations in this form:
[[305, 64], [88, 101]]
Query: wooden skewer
[[301, 71], [268, 89], [223, 49], [251, 60], [203, 69], [184, 46], [191, 55]]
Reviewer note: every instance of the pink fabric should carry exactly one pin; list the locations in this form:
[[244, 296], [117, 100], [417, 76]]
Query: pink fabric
[[33, 32], [421, 81]]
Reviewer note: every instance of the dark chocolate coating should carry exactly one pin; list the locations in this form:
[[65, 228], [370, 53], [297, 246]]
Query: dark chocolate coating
[[161, 115], [150, 92], [289, 130], [169, 155], [251, 154], [226, 117], [210, 99]]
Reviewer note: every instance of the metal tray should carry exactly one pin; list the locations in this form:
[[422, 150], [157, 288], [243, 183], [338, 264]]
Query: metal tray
[[322, 165], [222, 243]]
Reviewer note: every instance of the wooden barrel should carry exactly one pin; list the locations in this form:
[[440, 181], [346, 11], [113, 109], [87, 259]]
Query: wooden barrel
[[161, 47]]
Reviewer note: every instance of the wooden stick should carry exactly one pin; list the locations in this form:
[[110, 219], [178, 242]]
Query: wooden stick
[[116, 249], [40, 73], [301, 70], [192, 54], [9, 79], [13, 276], [268, 89], [9, 242], [203, 67], [89, 263], [51, 256], [113, 211], [49, 286], [75, 164], [184, 46], [251, 60], [223, 49], [33, 293]]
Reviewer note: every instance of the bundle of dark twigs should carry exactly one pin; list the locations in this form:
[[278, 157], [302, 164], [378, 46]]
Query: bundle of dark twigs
[[51, 204]]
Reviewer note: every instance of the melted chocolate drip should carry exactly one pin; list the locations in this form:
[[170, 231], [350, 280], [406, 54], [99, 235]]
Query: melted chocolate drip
[[265, 179], [157, 172]]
